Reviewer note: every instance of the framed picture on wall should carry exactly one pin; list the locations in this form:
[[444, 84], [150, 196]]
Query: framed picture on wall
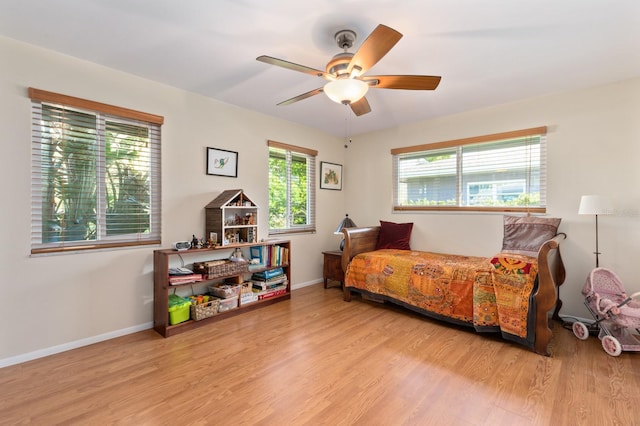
[[221, 162], [330, 176]]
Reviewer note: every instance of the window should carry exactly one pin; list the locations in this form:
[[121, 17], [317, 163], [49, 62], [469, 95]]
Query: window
[[500, 172], [292, 204], [494, 193], [95, 175]]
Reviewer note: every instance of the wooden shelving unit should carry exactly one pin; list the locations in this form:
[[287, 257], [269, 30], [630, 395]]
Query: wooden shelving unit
[[166, 258]]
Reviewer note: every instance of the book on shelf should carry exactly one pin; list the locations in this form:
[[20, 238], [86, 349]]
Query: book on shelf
[[270, 273], [263, 285], [272, 293], [184, 279], [270, 255], [278, 255], [269, 282]]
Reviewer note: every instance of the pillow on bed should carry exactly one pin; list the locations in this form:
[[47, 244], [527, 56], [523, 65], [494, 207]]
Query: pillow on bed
[[394, 236], [526, 234]]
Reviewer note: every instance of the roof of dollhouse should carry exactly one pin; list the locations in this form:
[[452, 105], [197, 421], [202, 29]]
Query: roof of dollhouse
[[226, 197]]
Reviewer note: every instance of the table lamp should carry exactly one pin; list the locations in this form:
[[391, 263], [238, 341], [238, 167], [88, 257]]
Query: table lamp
[[344, 223]]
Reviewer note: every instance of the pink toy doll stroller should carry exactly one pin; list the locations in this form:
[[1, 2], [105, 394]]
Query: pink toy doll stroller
[[617, 315]]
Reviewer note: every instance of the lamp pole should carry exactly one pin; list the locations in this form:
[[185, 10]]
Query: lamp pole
[[595, 205], [597, 252]]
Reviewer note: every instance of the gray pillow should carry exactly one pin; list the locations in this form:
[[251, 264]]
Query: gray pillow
[[526, 234]]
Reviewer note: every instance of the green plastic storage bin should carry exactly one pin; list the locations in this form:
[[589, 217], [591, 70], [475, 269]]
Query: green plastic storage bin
[[178, 309]]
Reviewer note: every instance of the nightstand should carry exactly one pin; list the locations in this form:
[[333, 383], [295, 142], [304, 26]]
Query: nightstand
[[332, 267]]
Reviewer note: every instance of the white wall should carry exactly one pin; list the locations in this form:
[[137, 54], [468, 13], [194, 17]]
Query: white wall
[[593, 148], [51, 303]]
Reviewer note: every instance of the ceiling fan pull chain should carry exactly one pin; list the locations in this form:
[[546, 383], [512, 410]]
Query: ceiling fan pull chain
[[347, 128]]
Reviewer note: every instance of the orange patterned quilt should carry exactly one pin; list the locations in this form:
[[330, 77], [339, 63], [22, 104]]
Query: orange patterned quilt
[[491, 293]]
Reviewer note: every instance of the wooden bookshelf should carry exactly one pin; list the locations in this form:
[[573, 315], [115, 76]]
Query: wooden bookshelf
[[164, 259]]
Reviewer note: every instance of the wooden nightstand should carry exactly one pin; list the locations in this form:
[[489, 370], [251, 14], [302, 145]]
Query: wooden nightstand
[[332, 268]]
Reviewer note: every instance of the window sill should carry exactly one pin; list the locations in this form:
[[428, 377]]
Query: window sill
[[469, 209]]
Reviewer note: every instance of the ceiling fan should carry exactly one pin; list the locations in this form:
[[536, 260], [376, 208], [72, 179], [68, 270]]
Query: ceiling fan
[[345, 71]]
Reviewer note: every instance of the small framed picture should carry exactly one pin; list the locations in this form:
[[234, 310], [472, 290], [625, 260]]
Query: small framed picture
[[221, 162], [330, 176]]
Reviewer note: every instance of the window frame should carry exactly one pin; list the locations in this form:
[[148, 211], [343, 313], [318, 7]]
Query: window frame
[[457, 145], [107, 114], [311, 156]]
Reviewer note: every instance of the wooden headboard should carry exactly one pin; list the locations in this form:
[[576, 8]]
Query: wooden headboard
[[358, 240]]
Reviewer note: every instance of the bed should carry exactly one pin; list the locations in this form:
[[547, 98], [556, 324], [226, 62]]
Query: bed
[[515, 292]]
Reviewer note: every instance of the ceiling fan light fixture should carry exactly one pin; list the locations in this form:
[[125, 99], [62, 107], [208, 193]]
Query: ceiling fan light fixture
[[347, 72], [346, 90]]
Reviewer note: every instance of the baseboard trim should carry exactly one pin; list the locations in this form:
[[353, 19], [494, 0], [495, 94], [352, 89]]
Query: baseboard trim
[[30, 356], [19, 359], [307, 284]]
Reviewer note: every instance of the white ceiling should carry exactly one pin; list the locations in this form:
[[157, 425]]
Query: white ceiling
[[487, 51]]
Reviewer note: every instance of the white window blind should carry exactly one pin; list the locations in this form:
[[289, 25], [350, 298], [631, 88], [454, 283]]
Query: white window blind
[[95, 175], [292, 195], [499, 172]]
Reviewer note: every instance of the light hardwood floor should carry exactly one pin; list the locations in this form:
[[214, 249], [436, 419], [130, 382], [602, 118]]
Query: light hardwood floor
[[317, 360]]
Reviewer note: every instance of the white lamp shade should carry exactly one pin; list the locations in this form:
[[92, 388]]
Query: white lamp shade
[[346, 90], [595, 204]]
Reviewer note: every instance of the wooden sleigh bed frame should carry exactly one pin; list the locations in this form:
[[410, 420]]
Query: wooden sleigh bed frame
[[544, 296]]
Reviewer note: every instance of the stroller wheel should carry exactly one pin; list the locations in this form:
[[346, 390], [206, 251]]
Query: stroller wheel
[[580, 330], [611, 345]]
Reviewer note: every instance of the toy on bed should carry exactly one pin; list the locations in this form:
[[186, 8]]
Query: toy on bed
[[514, 292]]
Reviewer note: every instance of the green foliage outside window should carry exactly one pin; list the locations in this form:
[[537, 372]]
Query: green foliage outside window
[[277, 192], [128, 184], [288, 191], [522, 200], [71, 209]]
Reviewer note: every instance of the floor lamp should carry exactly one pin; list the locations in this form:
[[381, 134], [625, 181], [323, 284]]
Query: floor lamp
[[595, 205]]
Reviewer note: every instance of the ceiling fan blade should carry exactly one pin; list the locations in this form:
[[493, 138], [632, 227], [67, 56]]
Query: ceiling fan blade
[[301, 97], [360, 107], [295, 67], [378, 44], [407, 82]]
